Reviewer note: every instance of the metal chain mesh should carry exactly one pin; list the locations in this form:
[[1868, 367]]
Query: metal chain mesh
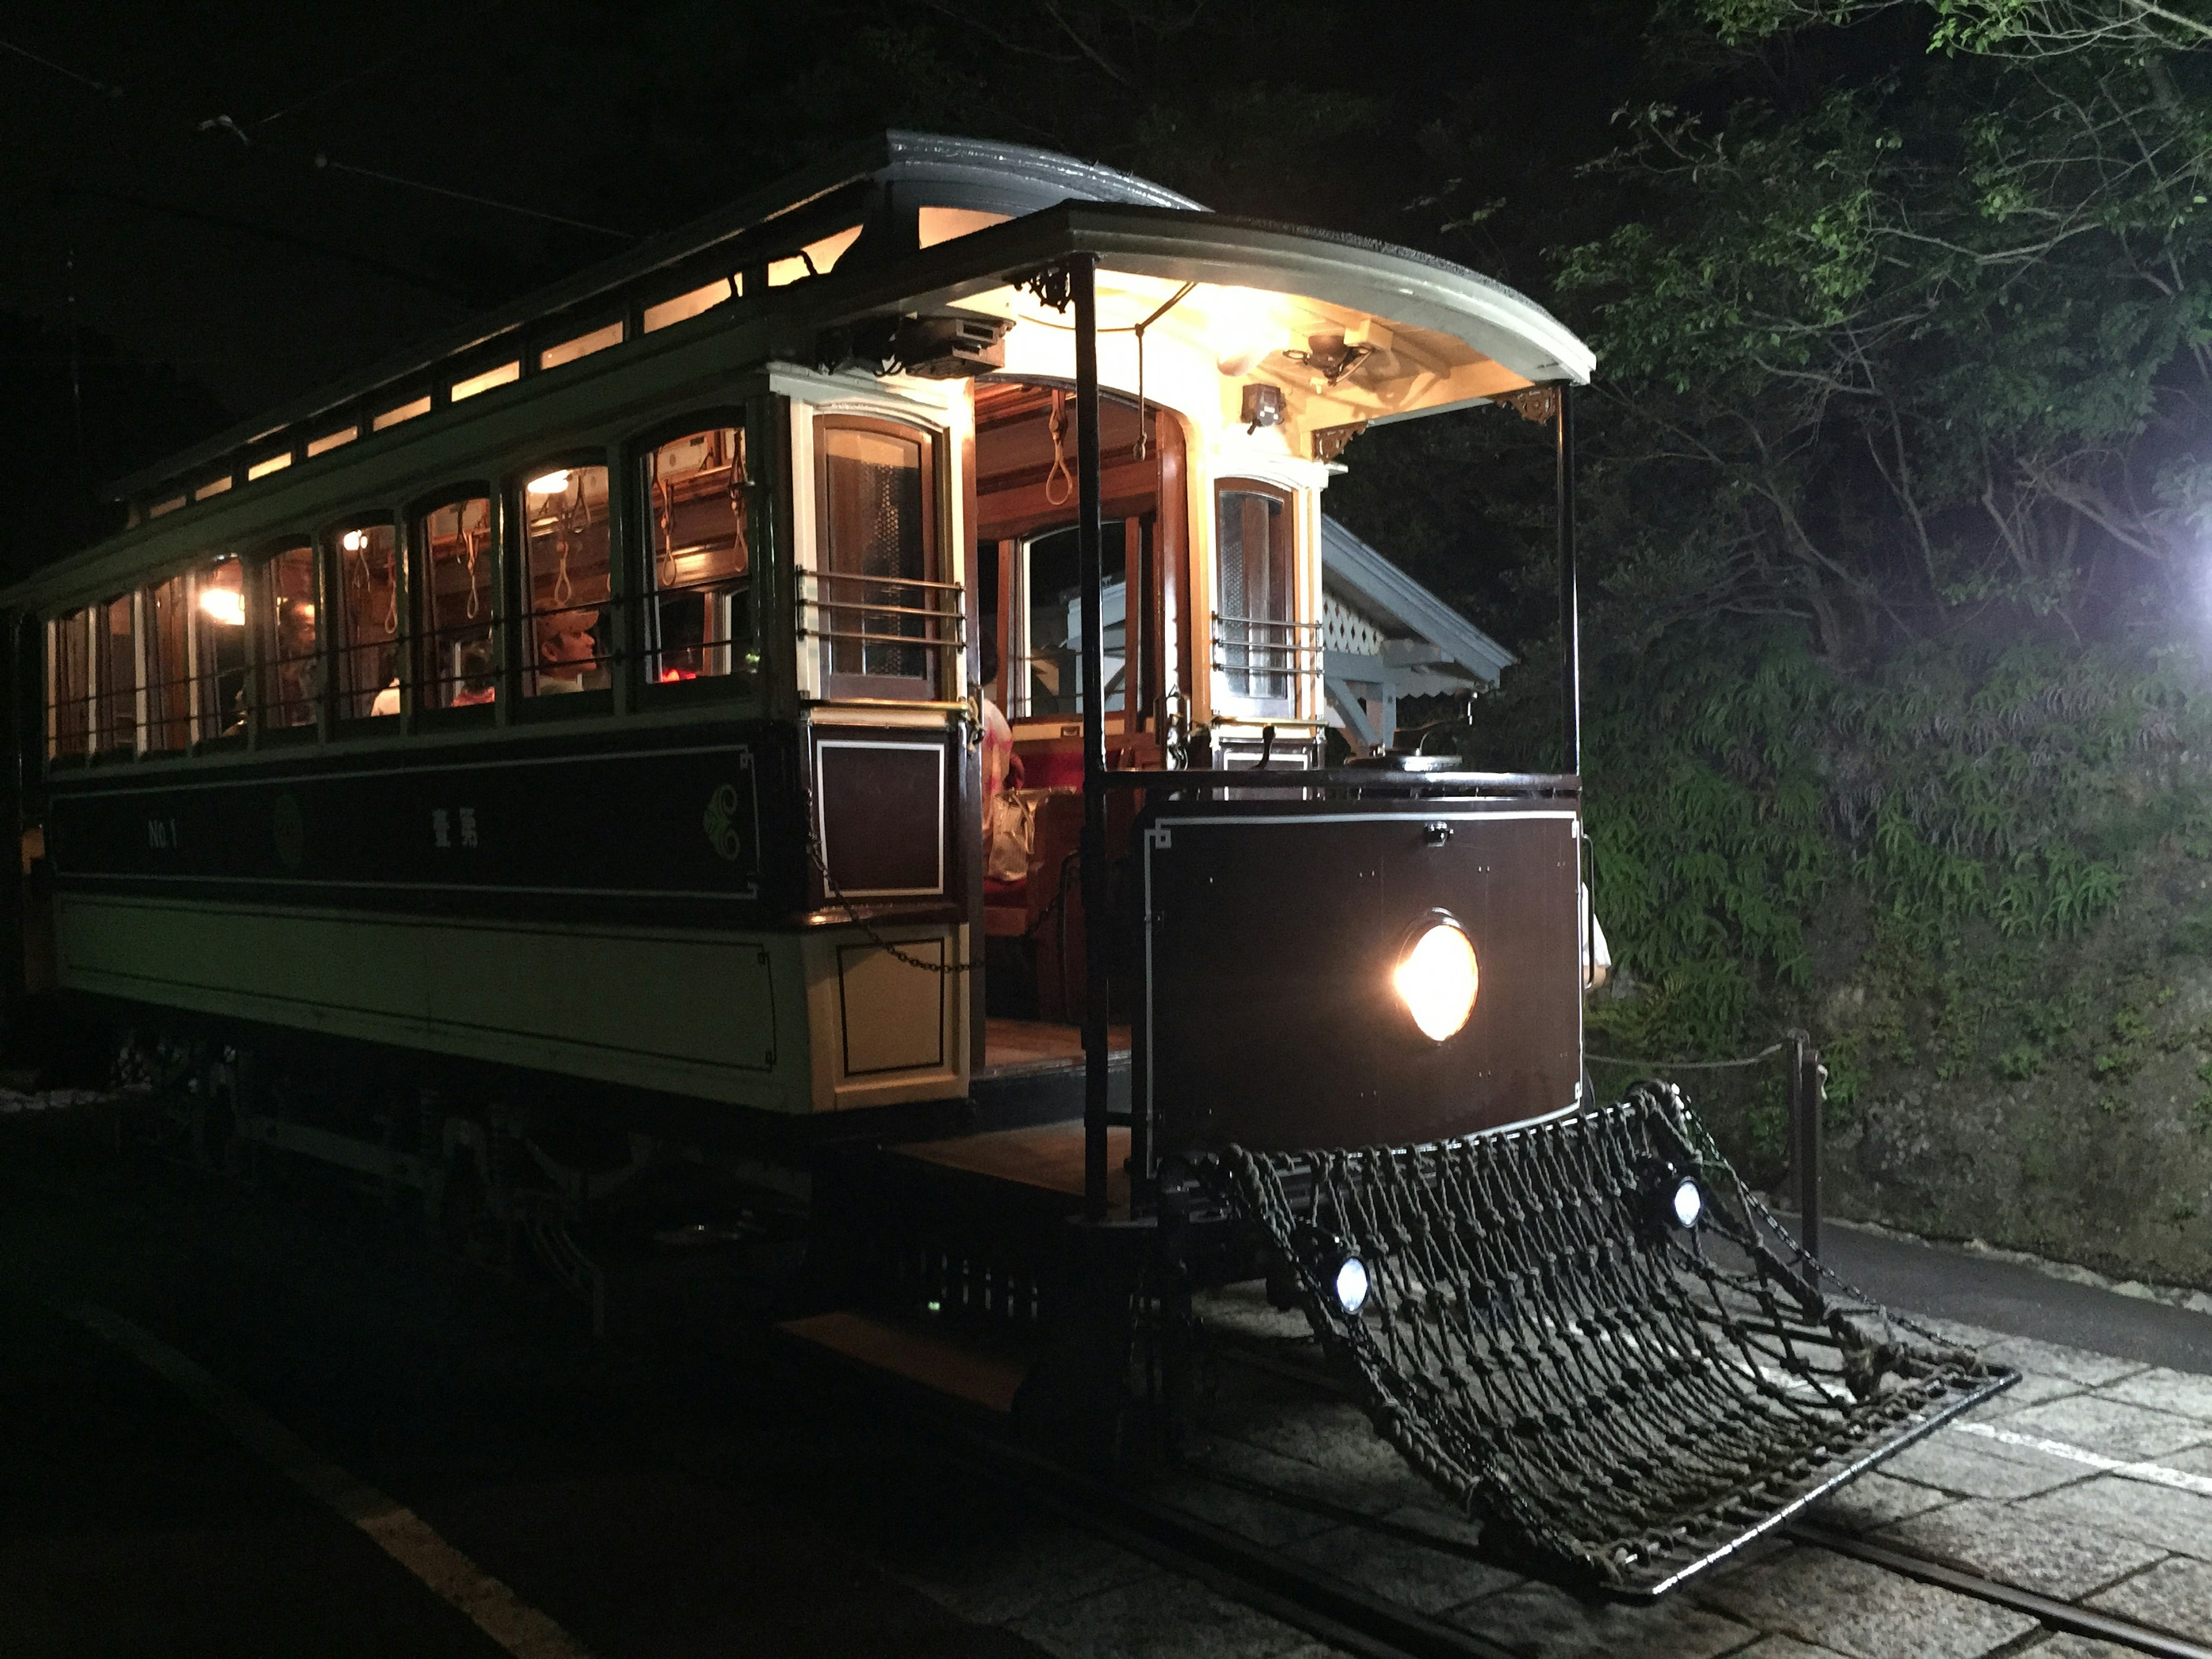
[[1620, 1401]]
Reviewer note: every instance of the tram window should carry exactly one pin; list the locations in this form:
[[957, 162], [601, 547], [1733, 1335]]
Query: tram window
[[115, 670], [702, 615], [169, 664], [458, 606], [875, 578], [219, 671], [291, 639], [1052, 585], [1255, 636], [68, 676], [367, 621], [564, 545]]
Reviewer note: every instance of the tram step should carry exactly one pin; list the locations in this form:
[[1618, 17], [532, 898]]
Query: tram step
[[988, 1375]]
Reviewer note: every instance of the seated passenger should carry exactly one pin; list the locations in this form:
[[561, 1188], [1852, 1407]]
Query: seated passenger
[[387, 701], [568, 652], [477, 683]]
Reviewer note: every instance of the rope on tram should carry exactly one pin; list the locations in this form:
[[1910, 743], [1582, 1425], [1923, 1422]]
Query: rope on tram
[[1620, 1400]]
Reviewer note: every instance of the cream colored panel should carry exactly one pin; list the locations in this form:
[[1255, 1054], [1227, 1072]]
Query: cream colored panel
[[688, 1013], [894, 1012]]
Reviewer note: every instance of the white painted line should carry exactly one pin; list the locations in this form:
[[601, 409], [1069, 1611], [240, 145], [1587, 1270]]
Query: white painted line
[[2156, 1474], [399, 1531]]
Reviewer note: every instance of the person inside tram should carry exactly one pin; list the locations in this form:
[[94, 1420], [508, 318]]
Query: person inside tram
[[476, 684], [1006, 823], [568, 652], [299, 670]]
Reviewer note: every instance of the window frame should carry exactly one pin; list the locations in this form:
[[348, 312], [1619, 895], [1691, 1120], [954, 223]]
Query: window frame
[[329, 545], [261, 625], [209, 737], [98, 668], [865, 688], [55, 754], [416, 711], [1293, 674], [151, 718], [638, 561], [518, 627]]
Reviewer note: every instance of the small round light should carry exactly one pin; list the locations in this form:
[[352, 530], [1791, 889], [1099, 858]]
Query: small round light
[[1351, 1284], [354, 540], [1438, 978], [224, 604], [553, 484], [1688, 1202]]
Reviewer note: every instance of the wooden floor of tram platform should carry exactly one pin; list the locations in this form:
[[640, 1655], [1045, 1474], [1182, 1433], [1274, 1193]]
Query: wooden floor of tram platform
[[1047, 1156]]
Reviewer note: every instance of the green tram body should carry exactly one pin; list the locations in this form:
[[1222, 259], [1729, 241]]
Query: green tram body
[[684, 885]]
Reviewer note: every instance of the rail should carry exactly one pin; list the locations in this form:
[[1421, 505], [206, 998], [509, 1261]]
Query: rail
[[1266, 654], [936, 621]]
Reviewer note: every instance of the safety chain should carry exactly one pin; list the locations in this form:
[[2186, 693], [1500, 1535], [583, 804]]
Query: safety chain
[[836, 894]]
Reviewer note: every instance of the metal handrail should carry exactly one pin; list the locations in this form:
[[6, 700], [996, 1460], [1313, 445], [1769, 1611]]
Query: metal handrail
[[887, 582]]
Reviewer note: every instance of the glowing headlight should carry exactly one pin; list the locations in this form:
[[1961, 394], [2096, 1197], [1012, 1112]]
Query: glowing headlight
[[1688, 1203], [1436, 978], [1351, 1284]]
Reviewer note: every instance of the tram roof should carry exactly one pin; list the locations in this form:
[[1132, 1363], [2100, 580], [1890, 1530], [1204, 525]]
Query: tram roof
[[1035, 207]]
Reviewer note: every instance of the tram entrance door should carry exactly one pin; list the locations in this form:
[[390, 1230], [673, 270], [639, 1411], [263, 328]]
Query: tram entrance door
[[1027, 600]]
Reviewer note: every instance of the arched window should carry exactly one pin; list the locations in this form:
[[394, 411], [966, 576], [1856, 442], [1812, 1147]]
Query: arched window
[[1256, 637], [884, 616]]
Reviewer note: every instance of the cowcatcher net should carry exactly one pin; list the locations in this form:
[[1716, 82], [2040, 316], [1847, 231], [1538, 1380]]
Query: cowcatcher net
[[1621, 1401]]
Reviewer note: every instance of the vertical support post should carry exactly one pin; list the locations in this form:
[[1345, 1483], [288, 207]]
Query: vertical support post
[[1808, 1090], [1570, 632], [1082, 282]]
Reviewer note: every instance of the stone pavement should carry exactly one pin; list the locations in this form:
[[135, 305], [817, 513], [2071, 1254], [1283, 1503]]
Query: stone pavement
[[2089, 1481]]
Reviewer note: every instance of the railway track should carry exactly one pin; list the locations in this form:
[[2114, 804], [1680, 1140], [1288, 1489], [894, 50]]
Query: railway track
[[1360, 1621]]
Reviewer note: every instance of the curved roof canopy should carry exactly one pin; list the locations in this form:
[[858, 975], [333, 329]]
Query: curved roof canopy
[[910, 222]]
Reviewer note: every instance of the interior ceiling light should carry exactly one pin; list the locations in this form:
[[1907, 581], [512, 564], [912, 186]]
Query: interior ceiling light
[[552, 483], [225, 604], [1438, 978], [354, 540]]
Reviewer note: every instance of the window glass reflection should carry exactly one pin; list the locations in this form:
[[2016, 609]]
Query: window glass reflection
[[570, 625], [368, 621], [700, 617], [458, 611]]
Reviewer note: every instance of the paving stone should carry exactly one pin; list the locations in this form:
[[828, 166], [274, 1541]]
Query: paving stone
[[1006, 1577], [1872, 1501], [2001, 1542], [2185, 1393], [2198, 1460], [1161, 1619], [1860, 1610], [2114, 1427], [2175, 1596], [1975, 1467], [2066, 1645], [1541, 1623], [1401, 1570], [1264, 1520], [2048, 1358], [1374, 1484], [2180, 1521], [2031, 1390], [1338, 1439]]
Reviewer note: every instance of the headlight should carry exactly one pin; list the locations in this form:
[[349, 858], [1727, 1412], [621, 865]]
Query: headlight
[[1351, 1284], [1688, 1203], [1437, 977]]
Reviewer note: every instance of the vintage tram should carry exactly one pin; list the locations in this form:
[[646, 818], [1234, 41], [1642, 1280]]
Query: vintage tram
[[562, 752]]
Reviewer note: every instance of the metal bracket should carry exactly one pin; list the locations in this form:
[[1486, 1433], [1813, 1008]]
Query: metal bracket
[[1540, 404]]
